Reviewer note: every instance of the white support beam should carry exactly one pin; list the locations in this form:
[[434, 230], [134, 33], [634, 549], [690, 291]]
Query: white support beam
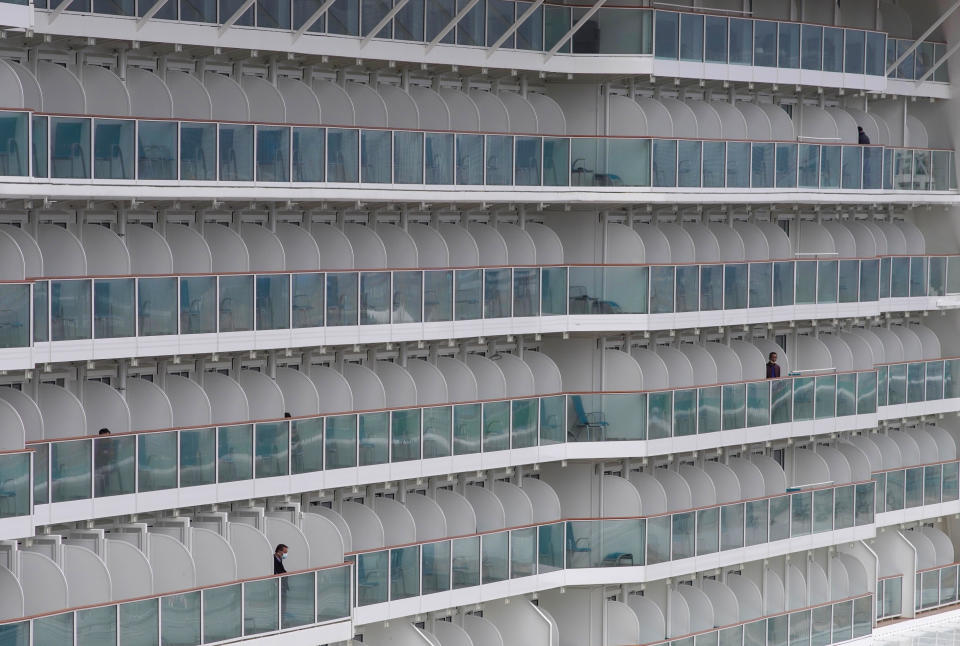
[[312, 20], [936, 23], [514, 27], [151, 12], [383, 22], [450, 25], [950, 52], [576, 27], [236, 16], [60, 8]]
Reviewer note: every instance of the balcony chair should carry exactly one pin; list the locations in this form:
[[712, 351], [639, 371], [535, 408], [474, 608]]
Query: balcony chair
[[587, 422]]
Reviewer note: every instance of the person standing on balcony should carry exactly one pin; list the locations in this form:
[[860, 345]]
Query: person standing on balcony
[[773, 370], [278, 556], [862, 137]]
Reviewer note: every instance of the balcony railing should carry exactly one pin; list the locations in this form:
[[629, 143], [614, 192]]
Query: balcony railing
[[85, 468], [910, 487], [918, 381], [207, 615], [72, 147], [936, 587], [915, 66], [889, 596], [111, 308], [489, 557]]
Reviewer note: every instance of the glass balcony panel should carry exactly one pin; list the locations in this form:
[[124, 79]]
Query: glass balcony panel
[[763, 164], [374, 429], [438, 14], [691, 37], [372, 577], [470, 159], [736, 286], [832, 49], [530, 33], [738, 164], [934, 381], [709, 419], [689, 163], [494, 558], [496, 426], [308, 152], [895, 490], [851, 167], [811, 54], [627, 163], [499, 158], [70, 148], [664, 163], [371, 13], [800, 628], [113, 308], [842, 508], [236, 303], [198, 149], [306, 445], [822, 510], [918, 277], [658, 539], [800, 513], [260, 606], [39, 150], [659, 419], [848, 280], [236, 152], [70, 309], [436, 567], [864, 504], [951, 378], [715, 41], [405, 435], [13, 144], [941, 171], [900, 277], [892, 600], [556, 162], [756, 520], [138, 623], [341, 441], [764, 43], [375, 154], [913, 486], [375, 294], [826, 397], [41, 298], [468, 294], [407, 296], [607, 417], [803, 398], [552, 426], [827, 281], [235, 453], [779, 516], [621, 543], [916, 376], [734, 406], [931, 484], [114, 466], [741, 41], [198, 457], [528, 160], [854, 48], [438, 158], [821, 625], [831, 166], [342, 299], [929, 589], [523, 423], [662, 288], [711, 287], [872, 167], [937, 282], [297, 597], [198, 304], [307, 300], [624, 291], [496, 293], [687, 288], [467, 429], [41, 479], [876, 45], [880, 483], [405, 572], [683, 535], [156, 305], [437, 296], [758, 404], [272, 449], [885, 278], [708, 531], [550, 552], [466, 562], [869, 280], [273, 142], [731, 526], [786, 165], [755, 633], [732, 636], [783, 283], [523, 552], [903, 170], [180, 619], [157, 461], [789, 45], [684, 413], [777, 630], [343, 18], [666, 35], [808, 166], [222, 613], [948, 586], [15, 316], [273, 302], [343, 146], [95, 627], [470, 29], [156, 150], [553, 291], [846, 394], [950, 481], [15, 486], [781, 401]]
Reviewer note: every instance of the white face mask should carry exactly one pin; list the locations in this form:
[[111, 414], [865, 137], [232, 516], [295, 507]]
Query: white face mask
[[284, 557]]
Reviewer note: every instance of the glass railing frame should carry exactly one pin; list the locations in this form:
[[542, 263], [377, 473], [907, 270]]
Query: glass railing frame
[[937, 572], [895, 581], [924, 496]]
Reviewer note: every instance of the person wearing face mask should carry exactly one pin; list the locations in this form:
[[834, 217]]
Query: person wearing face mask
[[278, 557]]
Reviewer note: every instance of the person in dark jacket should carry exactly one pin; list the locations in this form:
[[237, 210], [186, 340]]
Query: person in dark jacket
[[278, 555], [773, 370], [862, 137]]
